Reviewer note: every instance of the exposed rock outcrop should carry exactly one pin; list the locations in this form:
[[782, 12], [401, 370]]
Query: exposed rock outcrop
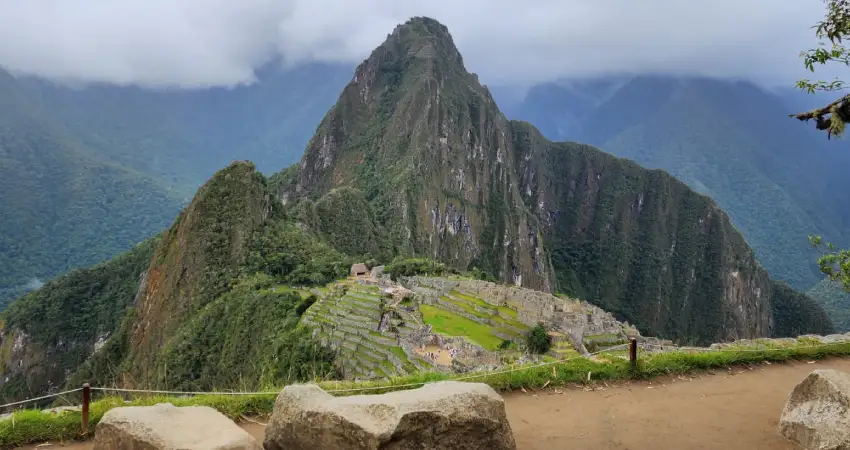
[[817, 414], [446, 415], [166, 427]]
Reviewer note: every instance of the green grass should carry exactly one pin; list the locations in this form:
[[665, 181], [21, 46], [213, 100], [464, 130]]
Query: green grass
[[445, 322], [467, 302], [304, 293], [471, 299], [400, 353], [507, 311], [603, 337], [29, 426]]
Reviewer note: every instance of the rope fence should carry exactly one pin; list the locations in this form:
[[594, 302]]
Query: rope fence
[[43, 397], [632, 346]]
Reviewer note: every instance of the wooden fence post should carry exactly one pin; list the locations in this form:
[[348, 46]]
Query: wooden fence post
[[633, 353], [86, 401]]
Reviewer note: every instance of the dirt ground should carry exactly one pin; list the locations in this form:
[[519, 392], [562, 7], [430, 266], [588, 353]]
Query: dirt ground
[[443, 357], [725, 409]]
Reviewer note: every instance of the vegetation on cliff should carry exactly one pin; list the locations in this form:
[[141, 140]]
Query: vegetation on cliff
[[729, 140], [247, 337], [836, 302], [795, 313], [59, 324], [62, 206], [221, 262], [346, 220]]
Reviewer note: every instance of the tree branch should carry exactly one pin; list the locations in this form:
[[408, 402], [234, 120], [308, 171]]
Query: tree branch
[[820, 112], [831, 117]]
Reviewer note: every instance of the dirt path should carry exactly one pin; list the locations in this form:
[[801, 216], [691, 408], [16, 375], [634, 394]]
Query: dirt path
[[726, 410]]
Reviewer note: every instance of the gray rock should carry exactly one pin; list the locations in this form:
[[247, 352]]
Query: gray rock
[[817, 413], [166, 427], [446, 415]]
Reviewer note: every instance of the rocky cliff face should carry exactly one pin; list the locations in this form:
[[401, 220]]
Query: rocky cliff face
[[642, 244]]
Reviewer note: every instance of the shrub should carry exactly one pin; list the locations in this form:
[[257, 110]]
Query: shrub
[[482, 275], [305, 304], [415, 266], [538, 339]]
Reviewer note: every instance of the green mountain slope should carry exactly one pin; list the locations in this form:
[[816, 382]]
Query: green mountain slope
[[88, 172], [55, 329], [184, 135], [64, 207], [729, 140], [175, 310], [835, 301]]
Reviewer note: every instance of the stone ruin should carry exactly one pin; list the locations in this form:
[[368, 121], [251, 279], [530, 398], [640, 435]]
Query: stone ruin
[[367, 317], [587, 327], [397, 293]]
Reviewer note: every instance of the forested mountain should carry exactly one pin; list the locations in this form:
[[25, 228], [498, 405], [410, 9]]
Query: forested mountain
[[836, 302], [779, 180], [62, 205], [414, 159], [88, 172], [184, 135]]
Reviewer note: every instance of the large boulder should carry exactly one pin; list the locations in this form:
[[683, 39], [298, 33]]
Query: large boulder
[[166, 427], [817, 414], [446, 415]]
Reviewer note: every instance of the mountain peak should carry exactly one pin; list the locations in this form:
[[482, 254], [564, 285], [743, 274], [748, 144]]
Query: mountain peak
[[422, 30], [420, 39]]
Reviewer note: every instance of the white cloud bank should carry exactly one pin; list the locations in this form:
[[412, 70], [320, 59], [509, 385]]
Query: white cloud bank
[[220, 42]]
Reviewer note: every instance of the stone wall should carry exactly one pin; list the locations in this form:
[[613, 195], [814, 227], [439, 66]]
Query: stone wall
[[656, 345]]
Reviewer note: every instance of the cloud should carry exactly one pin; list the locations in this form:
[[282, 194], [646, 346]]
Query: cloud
[[33, 284], [221, 42]]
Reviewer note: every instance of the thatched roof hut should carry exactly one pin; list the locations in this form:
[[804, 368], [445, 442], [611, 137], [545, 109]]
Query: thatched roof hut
[[358, 270]]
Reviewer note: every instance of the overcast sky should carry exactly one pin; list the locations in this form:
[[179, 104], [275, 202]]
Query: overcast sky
[[220, 42]]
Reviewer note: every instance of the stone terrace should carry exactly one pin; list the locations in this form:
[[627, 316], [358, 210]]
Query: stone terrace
[[350, 323]]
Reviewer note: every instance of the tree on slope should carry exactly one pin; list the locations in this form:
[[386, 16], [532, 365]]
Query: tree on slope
[[832, 117]]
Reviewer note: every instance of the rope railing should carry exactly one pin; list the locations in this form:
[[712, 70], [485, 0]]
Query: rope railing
[[153, 391], [633, 345], [43, 397], [482, 374]]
